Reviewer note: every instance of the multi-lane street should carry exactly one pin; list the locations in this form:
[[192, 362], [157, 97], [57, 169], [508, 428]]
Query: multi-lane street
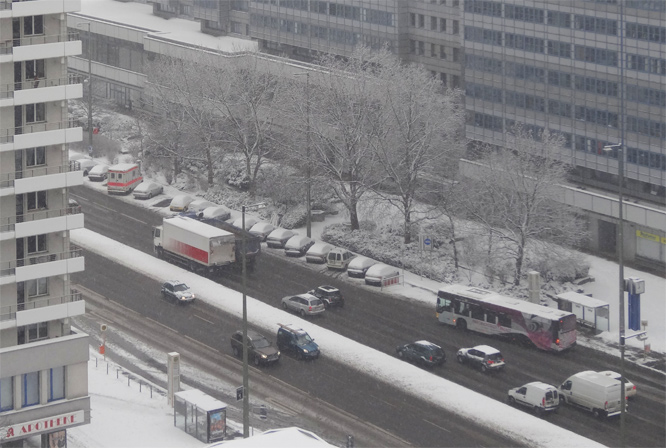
[[378, 320]]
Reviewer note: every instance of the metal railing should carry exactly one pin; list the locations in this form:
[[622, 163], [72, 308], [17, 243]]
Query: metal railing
[[8, 224], [7, 135], [7, 179], [8, 312], [7, 90], [7, 46], [9, 267]]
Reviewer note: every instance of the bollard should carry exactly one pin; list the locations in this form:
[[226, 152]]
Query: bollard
[[140, 384], [151, 391], [128, 381], [95, 362], [117, 370], [107, 368]]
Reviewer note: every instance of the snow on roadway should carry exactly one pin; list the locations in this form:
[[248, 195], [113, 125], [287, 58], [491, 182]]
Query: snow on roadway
[[496, 416]]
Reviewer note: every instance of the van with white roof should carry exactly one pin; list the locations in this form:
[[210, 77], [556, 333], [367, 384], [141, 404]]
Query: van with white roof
[[538, 396], [593, 391]]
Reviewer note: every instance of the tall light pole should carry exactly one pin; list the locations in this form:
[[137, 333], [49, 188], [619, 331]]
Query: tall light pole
[[308, 219], [246, 379], [90, 120]]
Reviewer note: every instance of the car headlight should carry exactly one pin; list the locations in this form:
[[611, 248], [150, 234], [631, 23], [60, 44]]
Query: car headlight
[[278, 353], [305, 350], [264, 356], [182, 298]]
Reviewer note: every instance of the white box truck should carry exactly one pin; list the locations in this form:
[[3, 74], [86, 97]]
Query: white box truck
[[194, 244], [593, 391]]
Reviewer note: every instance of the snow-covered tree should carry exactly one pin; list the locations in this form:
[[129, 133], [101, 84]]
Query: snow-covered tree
[[514, 195], [417, 136]]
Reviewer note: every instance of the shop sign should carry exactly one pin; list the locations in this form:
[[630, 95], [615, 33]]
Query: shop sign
[[21, 430]]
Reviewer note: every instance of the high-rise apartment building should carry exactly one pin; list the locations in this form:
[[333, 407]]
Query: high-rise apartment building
[[43, 360]]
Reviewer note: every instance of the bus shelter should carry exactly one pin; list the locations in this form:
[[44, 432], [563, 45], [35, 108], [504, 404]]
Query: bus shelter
[[590, 312], [200, 415]]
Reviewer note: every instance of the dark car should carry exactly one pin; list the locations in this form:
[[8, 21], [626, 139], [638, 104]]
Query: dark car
[[259, 349], [485, 357], [178, 291], [423, 353], [297, 341], [330, 295]]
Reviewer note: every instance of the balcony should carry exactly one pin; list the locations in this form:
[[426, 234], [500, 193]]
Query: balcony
[[39, 179], [34, 223], [41, 310], [40, 47], [41, 90], [35, 7], [45, 265], [40, 134]]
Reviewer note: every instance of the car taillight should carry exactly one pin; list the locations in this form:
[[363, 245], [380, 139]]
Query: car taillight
[[543, 401], [431, 357], [557, 341], [634, 388], [606, 405], [490, 361], [310, 308]]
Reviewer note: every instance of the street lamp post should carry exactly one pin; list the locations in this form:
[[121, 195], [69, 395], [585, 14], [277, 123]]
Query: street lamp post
[[246, 379], [620, 255], [90, 120], [308, 219]]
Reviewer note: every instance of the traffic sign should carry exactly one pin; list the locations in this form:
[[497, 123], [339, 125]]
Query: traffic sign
[[239, 393]]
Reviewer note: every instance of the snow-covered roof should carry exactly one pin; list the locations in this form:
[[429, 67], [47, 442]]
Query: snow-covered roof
[[198, 227], [123, 167], [277, 438], [320, 248], [582, 299], [201, 400]]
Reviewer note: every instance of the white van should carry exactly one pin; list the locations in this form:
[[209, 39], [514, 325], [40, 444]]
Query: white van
[[339, 258], [538, 396], [593, 391]]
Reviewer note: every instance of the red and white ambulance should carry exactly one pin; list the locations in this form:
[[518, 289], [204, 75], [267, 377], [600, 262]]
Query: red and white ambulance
[[123, 178]]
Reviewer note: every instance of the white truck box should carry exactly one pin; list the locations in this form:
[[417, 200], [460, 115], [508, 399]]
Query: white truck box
[[191, 241]]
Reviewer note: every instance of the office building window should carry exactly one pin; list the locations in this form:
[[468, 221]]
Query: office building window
[[57, 383], [442, 25], [559, 19], [35, 156], [30, 389], [433, 23], [456, 27], [36, 243], [595, 55], [34, 69], [412, 19], [560, 49], [433, 50], [523, 13], [36, 200], [596, 25], [37, 287], [6, 394]]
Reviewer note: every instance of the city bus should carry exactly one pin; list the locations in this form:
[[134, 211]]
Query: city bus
[[123, 178], [483, 311]]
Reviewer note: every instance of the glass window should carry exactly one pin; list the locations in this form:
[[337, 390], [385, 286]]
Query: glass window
[[36, 200], [35, 112], [37, 331], [38, 287], [35, 156], [33, 25], [57, 383], [34, 69], [36, 243], [30, 389], [6, 394]]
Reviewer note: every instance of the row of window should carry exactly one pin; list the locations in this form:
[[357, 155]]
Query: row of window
[[436, 23], [330, 34], [375, 16], [418, 47], [644, 95], [581, 143], [30, 388]]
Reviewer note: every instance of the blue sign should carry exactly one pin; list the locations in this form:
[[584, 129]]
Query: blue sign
[[427, 241]]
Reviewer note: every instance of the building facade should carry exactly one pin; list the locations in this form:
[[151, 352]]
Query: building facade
[[43, 359]]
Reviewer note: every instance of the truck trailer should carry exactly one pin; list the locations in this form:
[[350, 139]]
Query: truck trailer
[[194, 244]]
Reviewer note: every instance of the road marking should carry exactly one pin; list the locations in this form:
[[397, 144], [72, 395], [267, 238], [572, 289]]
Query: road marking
[[200, 343], [161, 325], [433, 424], [135, 219], [205, 320]]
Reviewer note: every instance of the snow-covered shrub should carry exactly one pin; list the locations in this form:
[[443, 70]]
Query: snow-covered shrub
[[294, 217]]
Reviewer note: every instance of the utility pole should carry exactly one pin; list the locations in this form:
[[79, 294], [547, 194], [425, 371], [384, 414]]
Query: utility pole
[[90, 120], [308, 172]]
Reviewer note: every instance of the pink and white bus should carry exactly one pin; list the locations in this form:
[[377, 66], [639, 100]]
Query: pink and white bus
[[123, 178], [483, 311]]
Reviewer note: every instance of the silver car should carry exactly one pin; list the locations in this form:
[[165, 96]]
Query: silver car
[[147, 190], [304, 304]]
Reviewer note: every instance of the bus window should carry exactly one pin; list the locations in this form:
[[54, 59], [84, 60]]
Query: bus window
[[504, 320], [443, 305], [462, 309], [477, 312], [491, 317]]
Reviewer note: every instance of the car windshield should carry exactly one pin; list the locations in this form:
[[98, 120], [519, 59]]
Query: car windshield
[[180, 287], [303, 339], [261, 343]]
